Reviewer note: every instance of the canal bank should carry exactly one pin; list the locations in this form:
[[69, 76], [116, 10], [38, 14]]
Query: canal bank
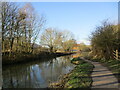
[[79, 77], [25, 58]]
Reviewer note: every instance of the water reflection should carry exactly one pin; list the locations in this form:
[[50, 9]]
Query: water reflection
[[36, 75], [76, 55]]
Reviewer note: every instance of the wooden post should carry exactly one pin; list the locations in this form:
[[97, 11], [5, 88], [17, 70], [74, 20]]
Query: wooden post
[[117, 54]]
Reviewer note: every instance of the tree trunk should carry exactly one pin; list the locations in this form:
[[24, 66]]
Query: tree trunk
[[51, 49]]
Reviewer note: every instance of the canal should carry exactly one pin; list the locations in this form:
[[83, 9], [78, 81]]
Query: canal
[[37, 74]]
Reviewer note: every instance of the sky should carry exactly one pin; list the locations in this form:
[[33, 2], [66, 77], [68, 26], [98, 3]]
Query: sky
[[80, 18]]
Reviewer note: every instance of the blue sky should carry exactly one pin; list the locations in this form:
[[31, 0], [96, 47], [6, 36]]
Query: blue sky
[[80, 18]]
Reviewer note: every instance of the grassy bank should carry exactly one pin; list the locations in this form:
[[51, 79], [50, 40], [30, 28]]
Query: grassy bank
[[17, 58], [113, 65], [79, 77]]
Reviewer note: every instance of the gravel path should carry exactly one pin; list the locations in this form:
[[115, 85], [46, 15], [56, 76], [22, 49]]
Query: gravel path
[[102, 77]]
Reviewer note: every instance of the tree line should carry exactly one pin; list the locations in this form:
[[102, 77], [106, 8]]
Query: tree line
[[21, 27], [105, 40]]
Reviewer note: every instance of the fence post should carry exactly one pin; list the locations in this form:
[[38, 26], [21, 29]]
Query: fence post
[[116, 54]]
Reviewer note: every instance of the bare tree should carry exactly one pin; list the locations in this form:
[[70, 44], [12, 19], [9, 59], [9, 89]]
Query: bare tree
[[20, 27], [51, 38], [34, 24], [55, 40], [68, 41], [68, 45], [8, 13]]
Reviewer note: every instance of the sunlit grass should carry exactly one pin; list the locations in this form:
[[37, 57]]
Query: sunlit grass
[[80, 77]]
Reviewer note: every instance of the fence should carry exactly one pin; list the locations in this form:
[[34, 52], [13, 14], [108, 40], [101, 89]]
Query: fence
[[116, 54]]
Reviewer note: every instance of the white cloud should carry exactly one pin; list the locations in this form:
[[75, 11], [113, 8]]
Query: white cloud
[[85, 41]]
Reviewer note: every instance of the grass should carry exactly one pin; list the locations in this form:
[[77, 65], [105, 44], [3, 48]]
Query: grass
[[79, 77]]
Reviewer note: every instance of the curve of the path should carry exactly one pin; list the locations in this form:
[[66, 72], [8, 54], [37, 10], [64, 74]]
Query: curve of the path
[[102, 77]]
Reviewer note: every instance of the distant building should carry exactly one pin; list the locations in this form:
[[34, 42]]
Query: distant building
[[76, 48]]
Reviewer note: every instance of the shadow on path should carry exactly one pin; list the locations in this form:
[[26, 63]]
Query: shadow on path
[[102, 77]]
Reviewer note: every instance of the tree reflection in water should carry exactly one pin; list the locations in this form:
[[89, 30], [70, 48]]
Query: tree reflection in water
[[36, 74]]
